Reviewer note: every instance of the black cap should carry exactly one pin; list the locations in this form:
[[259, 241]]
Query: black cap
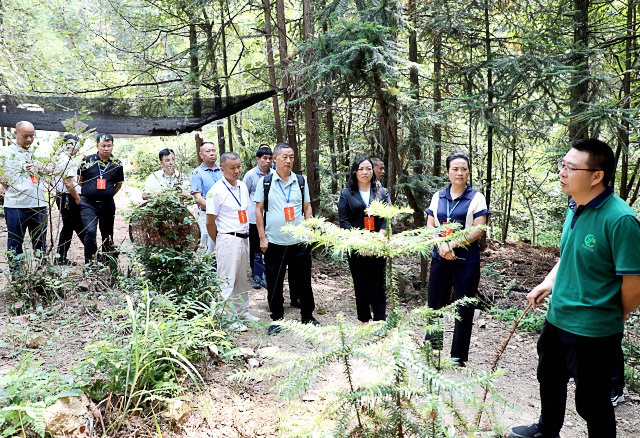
[[264, 150], [104, 137], [69, 137]]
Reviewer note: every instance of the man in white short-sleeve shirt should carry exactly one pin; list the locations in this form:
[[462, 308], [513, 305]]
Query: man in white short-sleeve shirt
[[68, 198], [228, 227], [166, 178]]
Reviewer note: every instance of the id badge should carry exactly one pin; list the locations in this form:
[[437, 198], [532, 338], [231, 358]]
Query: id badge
[[101, 184], [369, 223], [289, 215], [242, 216], [34, 179], [447, 232]]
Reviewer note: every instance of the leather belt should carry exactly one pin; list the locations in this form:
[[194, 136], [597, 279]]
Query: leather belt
[[242, 236]]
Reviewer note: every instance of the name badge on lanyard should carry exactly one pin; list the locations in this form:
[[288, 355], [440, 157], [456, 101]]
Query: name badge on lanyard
[[289, 214], [449, 232], [242, 212], [101, 183], [369, 223]]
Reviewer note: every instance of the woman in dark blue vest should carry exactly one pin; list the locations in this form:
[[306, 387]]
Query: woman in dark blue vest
[[367, 271], [456, 264]]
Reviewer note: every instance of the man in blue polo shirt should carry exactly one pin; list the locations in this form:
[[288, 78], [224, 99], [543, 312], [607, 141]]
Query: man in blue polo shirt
[[203, 178], [287, 205], [594, 287]]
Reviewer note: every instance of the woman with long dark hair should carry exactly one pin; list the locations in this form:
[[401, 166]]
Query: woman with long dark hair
[[367, 271], [456, 264]]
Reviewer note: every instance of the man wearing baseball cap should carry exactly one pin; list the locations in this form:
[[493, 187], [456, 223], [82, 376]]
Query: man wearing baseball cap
[[264, 158], [68, 198], [101, 177]]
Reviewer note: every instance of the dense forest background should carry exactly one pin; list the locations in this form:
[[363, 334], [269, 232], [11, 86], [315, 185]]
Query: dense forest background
[[511, 83]]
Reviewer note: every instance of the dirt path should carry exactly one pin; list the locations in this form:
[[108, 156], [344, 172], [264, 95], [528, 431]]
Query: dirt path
[[232, 409]]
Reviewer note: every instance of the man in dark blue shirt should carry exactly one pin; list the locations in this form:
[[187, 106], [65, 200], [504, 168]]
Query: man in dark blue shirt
[[101, 177]]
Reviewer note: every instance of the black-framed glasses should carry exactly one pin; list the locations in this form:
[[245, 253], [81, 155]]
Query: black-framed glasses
[[562, 166]]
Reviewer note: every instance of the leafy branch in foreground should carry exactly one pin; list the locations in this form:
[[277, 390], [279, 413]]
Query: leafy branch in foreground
[[396, 384]]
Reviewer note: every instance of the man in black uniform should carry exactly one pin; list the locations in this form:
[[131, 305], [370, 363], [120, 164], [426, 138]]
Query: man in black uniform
[[101, 177]]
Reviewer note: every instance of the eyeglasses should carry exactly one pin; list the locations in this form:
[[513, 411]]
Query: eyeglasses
[[562, 166]]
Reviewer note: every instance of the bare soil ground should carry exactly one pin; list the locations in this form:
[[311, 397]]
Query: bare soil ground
[[231, 409]]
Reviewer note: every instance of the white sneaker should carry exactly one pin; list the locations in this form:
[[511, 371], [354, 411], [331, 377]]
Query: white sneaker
[[249, 317], [238, 327]]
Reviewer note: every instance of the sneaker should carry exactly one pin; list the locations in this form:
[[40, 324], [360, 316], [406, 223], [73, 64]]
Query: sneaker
[[311, 321], [616, 397], [529, 432], [458, 363], [238, 327], [256, 285], [274, 329], [249, 317]]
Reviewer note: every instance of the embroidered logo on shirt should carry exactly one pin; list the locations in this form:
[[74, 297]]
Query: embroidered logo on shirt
[[589, 242]]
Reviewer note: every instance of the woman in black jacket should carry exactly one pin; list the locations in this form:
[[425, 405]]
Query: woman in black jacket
[[368, 271]]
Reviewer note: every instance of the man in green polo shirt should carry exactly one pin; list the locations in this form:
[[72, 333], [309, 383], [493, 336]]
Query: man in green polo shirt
[[594, 286]]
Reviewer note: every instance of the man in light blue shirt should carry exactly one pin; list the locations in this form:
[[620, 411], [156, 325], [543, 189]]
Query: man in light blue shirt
[[287, 204], [203, 178], [264, 158]]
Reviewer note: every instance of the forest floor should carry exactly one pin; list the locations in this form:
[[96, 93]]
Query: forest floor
[[251, 409]]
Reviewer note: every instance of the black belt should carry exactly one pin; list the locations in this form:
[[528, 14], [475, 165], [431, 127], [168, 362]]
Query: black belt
[[95, 200], [242, 236]]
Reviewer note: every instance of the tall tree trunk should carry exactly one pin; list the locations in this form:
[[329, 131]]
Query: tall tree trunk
[[579, 126], [272, 69], [290, 116], [626, 96], [225, 67], [331, 140], [437, 103], [392, 136], [312, 138], [489, 109], [512, 177], [414, 79]]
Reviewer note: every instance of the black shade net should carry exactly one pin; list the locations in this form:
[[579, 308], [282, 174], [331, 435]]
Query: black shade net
[[124, 117]]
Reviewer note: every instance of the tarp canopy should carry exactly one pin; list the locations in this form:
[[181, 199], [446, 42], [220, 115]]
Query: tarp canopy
[[123, 117]]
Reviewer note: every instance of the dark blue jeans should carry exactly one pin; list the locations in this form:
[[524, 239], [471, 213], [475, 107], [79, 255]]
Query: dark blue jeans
[[19, 221], [589, 360]]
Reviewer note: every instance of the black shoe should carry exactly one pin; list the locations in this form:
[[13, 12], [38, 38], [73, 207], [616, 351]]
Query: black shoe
[[295, 303], [274, 329], [529, 432], [311, 321], [65, 262], [458, 363], [436, 340]]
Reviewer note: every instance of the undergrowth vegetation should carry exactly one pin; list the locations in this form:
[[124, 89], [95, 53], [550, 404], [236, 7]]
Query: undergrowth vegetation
[[151, 348]]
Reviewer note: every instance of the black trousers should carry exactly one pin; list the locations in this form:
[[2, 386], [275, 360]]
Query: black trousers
[[589, 360], [464, 279], [297, 258], [254, 245], [369, 284], [71, 221], [94, 214]]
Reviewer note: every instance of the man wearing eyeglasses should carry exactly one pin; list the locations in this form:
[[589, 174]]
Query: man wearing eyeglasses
[[594, 287]]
